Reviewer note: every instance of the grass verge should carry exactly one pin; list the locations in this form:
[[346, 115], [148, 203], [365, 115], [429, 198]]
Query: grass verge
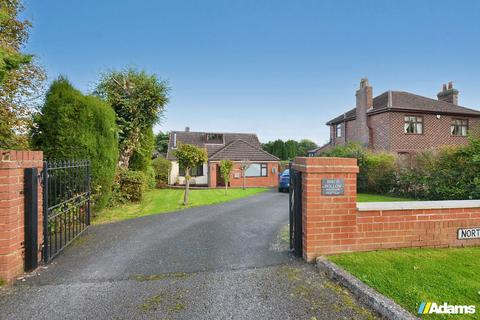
[[368, 197], [167, 200], [413, 276]]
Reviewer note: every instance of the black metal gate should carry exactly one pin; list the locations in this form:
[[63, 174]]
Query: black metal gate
[[66, 204], [296, 241]]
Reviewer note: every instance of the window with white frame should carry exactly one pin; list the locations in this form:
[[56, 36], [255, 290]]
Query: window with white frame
[[413, 125], [338, 130]]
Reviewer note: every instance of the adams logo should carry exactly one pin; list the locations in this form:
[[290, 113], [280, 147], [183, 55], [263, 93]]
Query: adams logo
[[445, 308]]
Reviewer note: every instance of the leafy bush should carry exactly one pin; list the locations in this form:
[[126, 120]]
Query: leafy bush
[[162, 169], [132, 185], [141, 159], [445, 174], [150, 178], [73, 126]]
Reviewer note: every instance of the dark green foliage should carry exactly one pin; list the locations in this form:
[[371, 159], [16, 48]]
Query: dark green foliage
[[377, 170], [289, 149], [139, 100], [132, 185], [278, 149], [162, 168], [304, 146], [161, 142], [72, 126], [141, 159], [447, 174]]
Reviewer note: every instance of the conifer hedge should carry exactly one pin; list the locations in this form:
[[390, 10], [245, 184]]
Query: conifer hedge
[[74, 126]]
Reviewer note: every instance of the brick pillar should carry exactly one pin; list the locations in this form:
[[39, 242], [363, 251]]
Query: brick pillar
[[12, 165], [327, 219]]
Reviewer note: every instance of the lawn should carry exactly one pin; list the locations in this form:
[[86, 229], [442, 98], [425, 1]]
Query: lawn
[[167, 200], [412, 276], [367, 197]]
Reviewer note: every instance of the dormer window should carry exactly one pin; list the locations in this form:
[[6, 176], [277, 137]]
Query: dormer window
[[214, 138]]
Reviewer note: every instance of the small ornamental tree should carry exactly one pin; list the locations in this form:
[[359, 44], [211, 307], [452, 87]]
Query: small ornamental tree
[[244, 165], [189, 156], [226, 167], [139, 100]]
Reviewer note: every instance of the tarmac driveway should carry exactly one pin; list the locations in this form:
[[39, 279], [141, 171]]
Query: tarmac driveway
[[218, 262]]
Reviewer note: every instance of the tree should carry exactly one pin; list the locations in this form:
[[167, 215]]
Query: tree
[[22, 79], [161, 142], [304, 146], [141, 158], [244, 165], [73, 126], [291, 147], [278, 149], [139, 101], [226, 167], [189, 156]]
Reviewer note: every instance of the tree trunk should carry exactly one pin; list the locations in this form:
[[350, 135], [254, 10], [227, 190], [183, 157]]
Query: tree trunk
[[187, 186], [226, 185], [127, 148], [244, 180]]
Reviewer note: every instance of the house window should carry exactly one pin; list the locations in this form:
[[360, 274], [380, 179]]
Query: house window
[[214, 138], [338, 130], [459, 127], [194, 172], [413, 125], [256, 170]]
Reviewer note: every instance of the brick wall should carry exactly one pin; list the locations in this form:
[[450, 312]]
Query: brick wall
[[12, 164], [236, 180], [334, 224], [381, 129], [436, 132]]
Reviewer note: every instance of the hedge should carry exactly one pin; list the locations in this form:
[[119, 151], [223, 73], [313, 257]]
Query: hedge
[[448, 173], [72, 126]]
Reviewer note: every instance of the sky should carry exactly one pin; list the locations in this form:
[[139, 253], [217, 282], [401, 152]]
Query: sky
[[277, 68]]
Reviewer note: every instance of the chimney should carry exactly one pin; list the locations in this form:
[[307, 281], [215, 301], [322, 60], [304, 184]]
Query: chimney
[[448, 93], [364, 103], [187, 129]]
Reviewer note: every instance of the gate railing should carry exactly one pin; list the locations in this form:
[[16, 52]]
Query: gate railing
[[295, 208], [66, 204]]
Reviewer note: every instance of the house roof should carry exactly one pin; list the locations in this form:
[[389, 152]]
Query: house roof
[[405, 101], [199, 139], [242, 150]]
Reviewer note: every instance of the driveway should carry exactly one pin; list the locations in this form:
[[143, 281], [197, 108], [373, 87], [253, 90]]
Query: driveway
[[217, 262]]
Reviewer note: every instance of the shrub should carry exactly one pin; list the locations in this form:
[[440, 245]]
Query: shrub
[[150, 178], [446, 174], [73, 126], [141, 159], [162, 169], [132, 185]]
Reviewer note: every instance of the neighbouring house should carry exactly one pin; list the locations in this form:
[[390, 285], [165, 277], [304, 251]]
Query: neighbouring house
[[402, 122], [238, 147]]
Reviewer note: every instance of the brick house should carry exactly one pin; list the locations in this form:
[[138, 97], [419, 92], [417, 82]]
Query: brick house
[[238, 147], [403, 122]]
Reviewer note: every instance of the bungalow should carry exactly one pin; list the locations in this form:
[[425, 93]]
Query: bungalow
[[238, 147]]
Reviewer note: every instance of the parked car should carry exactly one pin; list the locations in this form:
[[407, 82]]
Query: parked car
[[284, 181]]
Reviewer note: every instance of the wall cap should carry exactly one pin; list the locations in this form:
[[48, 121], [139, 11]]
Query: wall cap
[[412, 205], [325, 165]]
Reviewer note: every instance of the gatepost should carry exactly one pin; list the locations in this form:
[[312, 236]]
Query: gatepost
[[329, 204]]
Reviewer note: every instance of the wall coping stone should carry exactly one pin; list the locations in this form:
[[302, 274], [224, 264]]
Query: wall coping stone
[[412, 205]]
